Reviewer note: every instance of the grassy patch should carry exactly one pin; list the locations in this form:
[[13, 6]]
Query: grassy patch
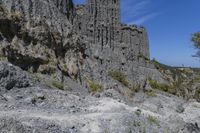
[[93, 87], [2, 56], [154, 84], [136, 88], [30, 70], [138, 112], [119, 76], [57, 84], [39, 77], [153, 120], [197, 94], [163, 87], [196, 106], [150, 93], [53, 83], [196, 79]]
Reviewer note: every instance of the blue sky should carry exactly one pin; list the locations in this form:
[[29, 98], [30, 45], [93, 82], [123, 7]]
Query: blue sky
[[169, 24]]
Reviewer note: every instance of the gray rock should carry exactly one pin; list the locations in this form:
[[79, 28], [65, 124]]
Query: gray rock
[[11, 125], [12, 76], [61, 40], [180, 108], [192, 128]]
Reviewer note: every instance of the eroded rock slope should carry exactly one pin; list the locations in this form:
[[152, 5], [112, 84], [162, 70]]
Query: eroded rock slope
[[34, 107]]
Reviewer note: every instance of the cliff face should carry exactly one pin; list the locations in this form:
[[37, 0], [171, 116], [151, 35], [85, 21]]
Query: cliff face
[[65, 42], [66, 7], [38, 37], [100, 21], [112, 45]]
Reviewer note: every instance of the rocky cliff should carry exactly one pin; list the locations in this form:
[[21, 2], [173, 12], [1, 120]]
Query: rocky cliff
[[38, 37], [111, 45], [64, 41]]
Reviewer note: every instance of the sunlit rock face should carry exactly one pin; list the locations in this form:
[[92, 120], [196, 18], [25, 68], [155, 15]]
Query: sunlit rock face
[[38, 35], [81, 42], [111, 44]]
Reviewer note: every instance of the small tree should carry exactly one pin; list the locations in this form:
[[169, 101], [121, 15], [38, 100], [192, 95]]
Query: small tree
[[196, 42]]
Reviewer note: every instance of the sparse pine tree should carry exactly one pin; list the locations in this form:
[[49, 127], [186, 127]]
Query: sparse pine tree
[[196, 42]]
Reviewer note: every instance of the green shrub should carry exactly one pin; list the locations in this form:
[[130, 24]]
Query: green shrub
[[153, 120], [163, 87], [119, 76], [136, 88], [2, 56], [172, 90], [138, 112], [30, 70], [150, 93], [196, 79], [197, 94], [39, 76], [93, 87], [58, 84], [154, 84]]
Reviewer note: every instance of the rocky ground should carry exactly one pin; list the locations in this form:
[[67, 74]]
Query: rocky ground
[[29, 106]]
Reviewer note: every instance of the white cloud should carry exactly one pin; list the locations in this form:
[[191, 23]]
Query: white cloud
[[144, 18], [137, 11]]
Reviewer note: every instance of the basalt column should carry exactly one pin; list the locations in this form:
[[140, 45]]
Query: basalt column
[[104, 16]]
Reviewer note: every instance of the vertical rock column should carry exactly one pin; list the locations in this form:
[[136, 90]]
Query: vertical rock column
[[66, 7], [144, 46], [104, 19]]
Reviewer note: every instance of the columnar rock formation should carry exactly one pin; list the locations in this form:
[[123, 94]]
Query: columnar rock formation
[[100, 21], [104, 18], [84, 42], [112, 45]]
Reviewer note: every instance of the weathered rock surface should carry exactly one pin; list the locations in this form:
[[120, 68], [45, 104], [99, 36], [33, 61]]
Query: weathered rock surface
[[39, 108], [52, 37], [112, 45], [38, 36], [11, 77]]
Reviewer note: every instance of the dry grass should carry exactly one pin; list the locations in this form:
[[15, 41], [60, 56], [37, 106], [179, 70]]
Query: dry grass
[[94, 87], [163, 87], [119, 76]]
